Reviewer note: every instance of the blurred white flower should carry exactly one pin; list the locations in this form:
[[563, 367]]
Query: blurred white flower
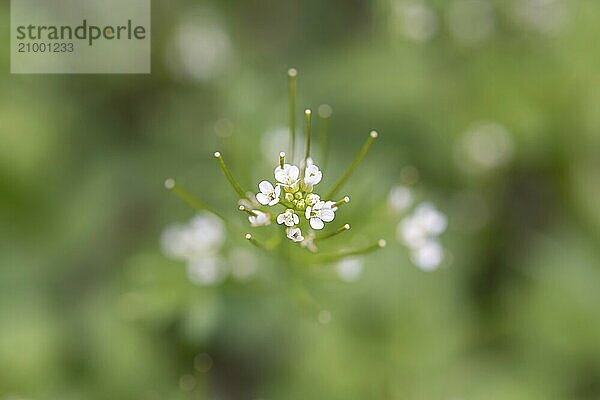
[[349, 269], [419, 232], [415, 19], [400, 198], [200, 48], [259, 218], [471, 21], [197, 243], [309, 242], [428, 256], [485, 146], [201, 237], [548, 17]]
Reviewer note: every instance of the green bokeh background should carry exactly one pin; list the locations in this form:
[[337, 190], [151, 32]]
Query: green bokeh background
[[91, 309]]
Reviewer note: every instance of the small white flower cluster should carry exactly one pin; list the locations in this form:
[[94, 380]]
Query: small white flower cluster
[[419, 231], [295, 192], [199, 243]]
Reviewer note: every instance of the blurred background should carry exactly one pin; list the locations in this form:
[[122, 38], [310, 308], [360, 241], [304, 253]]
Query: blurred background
[[488, 109]]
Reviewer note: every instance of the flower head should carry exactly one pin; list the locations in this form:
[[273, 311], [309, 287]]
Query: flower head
[[293, 188]]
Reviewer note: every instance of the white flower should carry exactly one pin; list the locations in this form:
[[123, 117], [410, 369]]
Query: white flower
[[198, 243], [294, 234], [349, 269], [312, 199], [432, 220], [416, 229], [312, 176], [419, 232], [319, 213], [429, 256], [199, 238], [259, 218], [268, 195], [289, 218], [288, 175]]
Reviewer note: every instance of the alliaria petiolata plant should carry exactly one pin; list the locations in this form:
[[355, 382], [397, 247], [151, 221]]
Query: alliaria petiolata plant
[[291, 200]]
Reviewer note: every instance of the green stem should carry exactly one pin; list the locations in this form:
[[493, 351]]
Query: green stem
[[190, 199], [229, 177], [281, 159], [381, 243], [341, 229], [308, 115], [325, 113], [247, 211], [343, 201], [361, 154], [255, 242], [292, 89]]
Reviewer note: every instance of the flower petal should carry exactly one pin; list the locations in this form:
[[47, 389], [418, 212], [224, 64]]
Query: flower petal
[[316, 223], [327, 215], [266, 187], [262, 198], [280, 218], [307, 213], [293, 172]]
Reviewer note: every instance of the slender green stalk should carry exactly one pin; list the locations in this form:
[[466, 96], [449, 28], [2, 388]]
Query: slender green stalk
[[255, 242], [229, 177], [341, 229], [308, 114], [325, 112], [361, 154], [343, 201], [189, 198], [281, 159], [292, 89], [247, 211], [381, 243]]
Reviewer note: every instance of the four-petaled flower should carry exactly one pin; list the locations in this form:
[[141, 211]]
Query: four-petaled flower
[[289, 218], [320, 213], [294, 234], [269, 195], [312, 176], [287, 176]]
